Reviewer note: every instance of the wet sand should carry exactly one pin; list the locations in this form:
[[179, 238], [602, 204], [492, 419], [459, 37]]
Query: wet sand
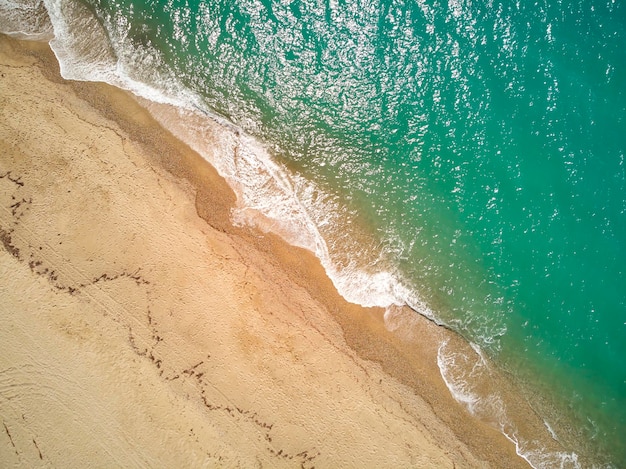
[[140, 328]]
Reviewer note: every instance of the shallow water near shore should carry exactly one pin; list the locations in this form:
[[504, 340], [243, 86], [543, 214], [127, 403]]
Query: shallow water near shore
[[463, 159]]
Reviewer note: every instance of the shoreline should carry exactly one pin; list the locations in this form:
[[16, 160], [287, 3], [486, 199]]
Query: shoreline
[[276, 319]]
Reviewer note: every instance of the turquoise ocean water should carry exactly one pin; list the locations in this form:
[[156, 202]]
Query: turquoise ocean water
[[478, 145]]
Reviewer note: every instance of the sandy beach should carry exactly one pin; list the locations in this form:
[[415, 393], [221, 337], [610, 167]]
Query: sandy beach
[[141, 329]]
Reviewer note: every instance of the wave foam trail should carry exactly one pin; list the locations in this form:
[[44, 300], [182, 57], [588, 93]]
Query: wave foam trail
[[79, 43], [278, 201], [25, 20], [86, 51], [471, 381]]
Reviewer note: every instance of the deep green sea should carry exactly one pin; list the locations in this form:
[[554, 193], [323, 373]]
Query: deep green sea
[[464, 158]]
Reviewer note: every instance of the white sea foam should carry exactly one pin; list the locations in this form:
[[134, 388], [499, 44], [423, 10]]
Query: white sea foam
[[467, 376], [459, 387], [551, 431], [25, 19]]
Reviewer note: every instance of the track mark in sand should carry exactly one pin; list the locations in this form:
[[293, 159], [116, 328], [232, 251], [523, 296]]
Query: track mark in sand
[[305, 457], [15, 180], [6, 429], [7, 242], [37, 267], [38, 450], [149, 352], [19, 207], [74, 289], [41, 262]]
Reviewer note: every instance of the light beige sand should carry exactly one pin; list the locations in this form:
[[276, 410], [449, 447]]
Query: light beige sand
[[135, 333]]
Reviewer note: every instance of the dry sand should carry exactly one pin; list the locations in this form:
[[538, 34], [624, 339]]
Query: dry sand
[[140, 329]]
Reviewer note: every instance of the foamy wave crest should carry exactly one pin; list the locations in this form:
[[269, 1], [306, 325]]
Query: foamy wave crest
[[471, 381], [86, 51], [276, 200], [26, 19]]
